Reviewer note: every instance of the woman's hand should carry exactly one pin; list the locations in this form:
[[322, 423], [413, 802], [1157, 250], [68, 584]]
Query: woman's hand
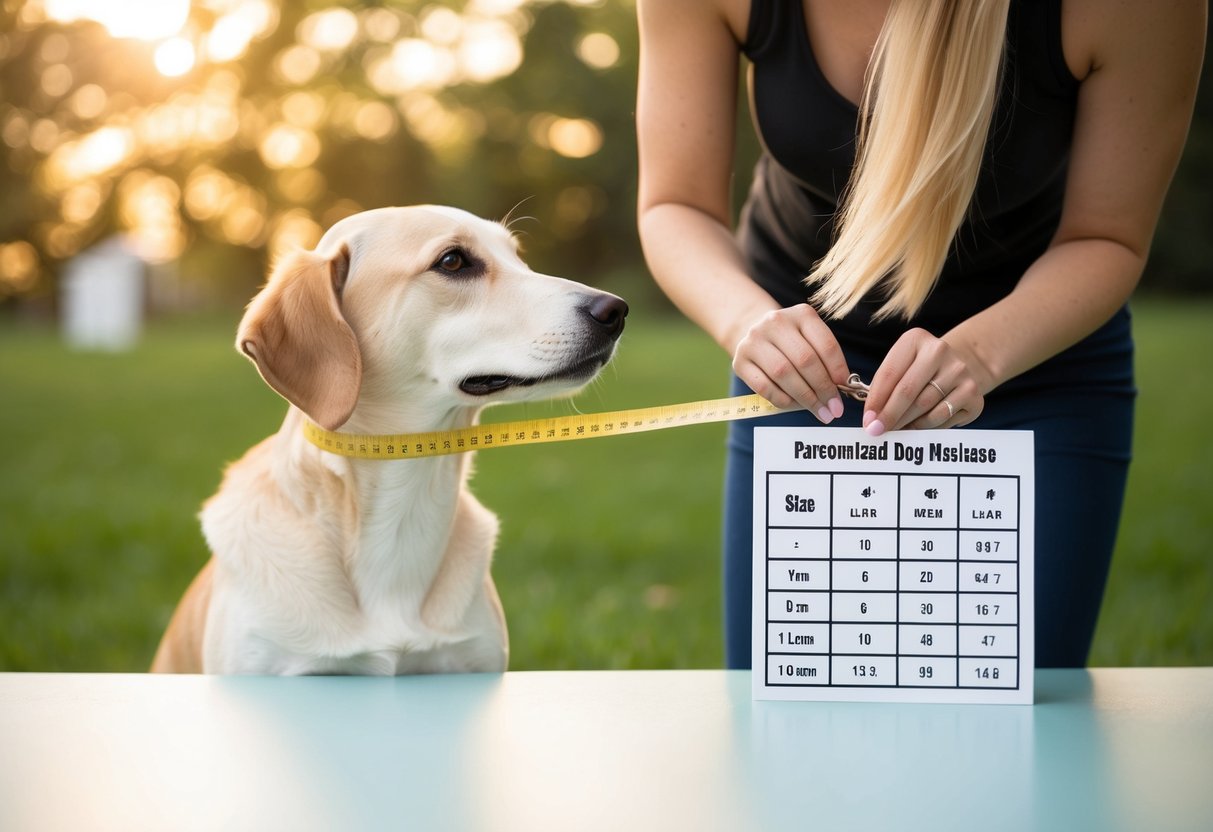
[[790, 356], [924, 382]]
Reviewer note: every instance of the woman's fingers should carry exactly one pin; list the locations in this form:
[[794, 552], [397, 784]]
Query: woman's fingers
[[790, 356], [951, 410], [922, 383]]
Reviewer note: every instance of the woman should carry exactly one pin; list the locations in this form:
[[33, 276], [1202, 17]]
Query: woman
[[973, 258]]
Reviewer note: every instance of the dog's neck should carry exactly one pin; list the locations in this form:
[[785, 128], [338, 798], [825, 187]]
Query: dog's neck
[[401, 511]]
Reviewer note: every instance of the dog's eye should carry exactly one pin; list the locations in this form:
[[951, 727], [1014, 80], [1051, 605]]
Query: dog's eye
[[458, 264], [452, 261]]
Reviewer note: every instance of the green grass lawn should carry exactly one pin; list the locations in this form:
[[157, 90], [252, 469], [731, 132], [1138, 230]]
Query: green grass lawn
[[608, 556]]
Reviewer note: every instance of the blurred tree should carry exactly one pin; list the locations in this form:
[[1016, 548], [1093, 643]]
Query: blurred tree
[[237, 128], [219, 132]]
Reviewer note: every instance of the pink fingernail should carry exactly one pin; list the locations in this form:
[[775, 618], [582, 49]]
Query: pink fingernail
[[825, 416], [874, 428], [836, 406], [868, 416]]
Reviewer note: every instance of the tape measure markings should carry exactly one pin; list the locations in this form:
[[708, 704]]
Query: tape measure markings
[[537, 431]]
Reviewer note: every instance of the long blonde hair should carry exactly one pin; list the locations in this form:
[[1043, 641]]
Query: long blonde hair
[[928, 102]]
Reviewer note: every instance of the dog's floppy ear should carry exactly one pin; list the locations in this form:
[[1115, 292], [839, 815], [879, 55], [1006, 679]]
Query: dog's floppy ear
[[295, 333]]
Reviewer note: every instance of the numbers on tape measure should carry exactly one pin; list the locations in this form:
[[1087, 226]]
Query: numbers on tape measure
[[483, 437]]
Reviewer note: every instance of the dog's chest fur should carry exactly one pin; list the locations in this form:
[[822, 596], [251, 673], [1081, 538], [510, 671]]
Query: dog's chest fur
[[369, 568]]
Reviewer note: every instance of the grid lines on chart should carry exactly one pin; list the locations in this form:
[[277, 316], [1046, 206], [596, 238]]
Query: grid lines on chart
[[892, 580]]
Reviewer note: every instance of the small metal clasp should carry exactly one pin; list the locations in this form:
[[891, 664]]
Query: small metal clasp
[[855, 388]]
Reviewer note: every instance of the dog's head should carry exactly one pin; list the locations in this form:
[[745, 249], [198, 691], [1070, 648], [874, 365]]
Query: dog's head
[[422, 310]]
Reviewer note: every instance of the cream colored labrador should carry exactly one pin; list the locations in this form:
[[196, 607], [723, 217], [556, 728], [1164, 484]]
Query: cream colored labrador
[[401, 320]]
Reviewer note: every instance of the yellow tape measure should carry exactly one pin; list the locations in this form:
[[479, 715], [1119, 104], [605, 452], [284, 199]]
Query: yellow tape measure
[[537, 431]]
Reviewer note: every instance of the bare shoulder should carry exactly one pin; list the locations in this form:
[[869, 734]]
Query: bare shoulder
[[1099, 33], [734, 14], [1139, 63], [686, 101]]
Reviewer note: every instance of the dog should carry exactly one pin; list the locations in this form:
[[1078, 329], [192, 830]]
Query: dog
[[401, 320]]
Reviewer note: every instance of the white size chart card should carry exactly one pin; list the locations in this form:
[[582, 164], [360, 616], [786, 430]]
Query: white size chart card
[[894, 569]]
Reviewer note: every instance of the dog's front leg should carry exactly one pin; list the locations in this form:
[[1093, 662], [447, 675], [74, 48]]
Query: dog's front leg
[[459, 581]]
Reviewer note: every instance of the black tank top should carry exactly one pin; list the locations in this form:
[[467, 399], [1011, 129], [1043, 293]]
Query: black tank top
[[807, 130]]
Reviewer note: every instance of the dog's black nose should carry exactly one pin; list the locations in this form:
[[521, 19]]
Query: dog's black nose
[[609, 311]]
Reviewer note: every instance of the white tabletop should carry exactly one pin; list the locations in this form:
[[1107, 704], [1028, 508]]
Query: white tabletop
[[640, 750]]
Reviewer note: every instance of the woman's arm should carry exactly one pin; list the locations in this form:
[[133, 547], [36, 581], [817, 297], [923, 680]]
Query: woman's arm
[[1140, 63], [686, 109]]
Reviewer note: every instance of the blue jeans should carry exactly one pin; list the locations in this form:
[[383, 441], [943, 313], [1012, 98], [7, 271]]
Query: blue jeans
[[1080, 407]]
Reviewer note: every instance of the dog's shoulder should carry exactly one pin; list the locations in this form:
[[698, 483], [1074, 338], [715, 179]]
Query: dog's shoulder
[[270, 493], [248, 478]]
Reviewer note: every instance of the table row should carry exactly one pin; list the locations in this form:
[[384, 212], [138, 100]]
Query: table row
[[908, 500], [894, 639], [902, 575], [891, 544], [892, 671], [894, 607]]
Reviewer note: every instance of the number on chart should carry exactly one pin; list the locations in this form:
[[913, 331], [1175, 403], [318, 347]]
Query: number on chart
[[926, 672], [987, 641], [987, 546], [927, 546], [927, 640], [986, 672], [868, 670], [987, 577]]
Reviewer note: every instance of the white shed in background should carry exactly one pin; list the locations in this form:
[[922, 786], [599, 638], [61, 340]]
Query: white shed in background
[[102, 297]]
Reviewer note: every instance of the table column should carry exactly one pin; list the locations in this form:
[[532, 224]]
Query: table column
[[989, 582], [798, 579], [927, 564], [863, 582]]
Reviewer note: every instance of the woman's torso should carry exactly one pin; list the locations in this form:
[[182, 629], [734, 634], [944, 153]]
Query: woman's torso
[[806, 72]]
